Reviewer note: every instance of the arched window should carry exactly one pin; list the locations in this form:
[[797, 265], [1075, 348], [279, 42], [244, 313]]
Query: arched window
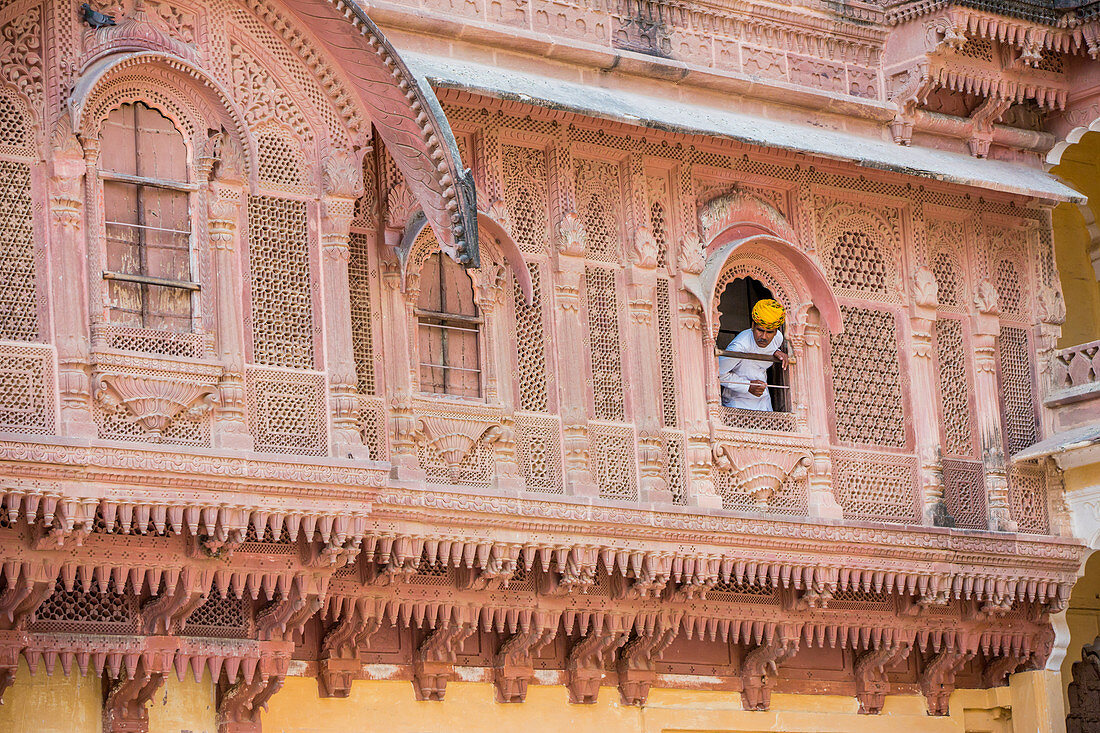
[[449, 327], [143, 167], [735, 307]]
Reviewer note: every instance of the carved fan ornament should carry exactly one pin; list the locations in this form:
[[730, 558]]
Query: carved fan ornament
[[154, 404], [760, 473], [454, 437]]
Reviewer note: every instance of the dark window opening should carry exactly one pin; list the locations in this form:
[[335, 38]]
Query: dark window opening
[[147, 220], [735, 309], [449, 328]]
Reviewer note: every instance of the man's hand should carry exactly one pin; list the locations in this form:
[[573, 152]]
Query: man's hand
[[782, 356], [757, 387]]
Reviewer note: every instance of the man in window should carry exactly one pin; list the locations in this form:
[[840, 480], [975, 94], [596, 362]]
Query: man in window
[[744, 380]]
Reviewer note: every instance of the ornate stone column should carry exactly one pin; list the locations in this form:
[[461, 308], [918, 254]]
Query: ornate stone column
[[489, 289], [343, 184], [224, 214], [821, 502], [926, 408], [574, 391], [646, 394], [68, 254], [987, 328], [699, 367]]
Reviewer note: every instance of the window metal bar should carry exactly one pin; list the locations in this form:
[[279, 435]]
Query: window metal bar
[[747, 355], [448, 316], [146, 226], [450, 328], [146, 280], [143, 181], [445, 366]]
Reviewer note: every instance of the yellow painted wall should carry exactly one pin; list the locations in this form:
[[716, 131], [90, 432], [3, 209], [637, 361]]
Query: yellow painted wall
[[54, 703], [183, 707], [1080, 168], [1079, 286], [59, 704]]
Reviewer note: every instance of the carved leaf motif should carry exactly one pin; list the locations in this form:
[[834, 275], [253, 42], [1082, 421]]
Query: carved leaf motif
[[691, 256], [925, 289], [400, 205], [571, 234], [154, 403], [987, 300]]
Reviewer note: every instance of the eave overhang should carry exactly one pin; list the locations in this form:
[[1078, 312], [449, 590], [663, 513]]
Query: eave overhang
[[692, 119]]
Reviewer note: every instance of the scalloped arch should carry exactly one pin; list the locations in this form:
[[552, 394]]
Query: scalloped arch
[[810, 286], [86, 115]]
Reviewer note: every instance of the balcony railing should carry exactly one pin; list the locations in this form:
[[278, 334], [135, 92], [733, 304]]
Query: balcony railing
[[1075, 385]]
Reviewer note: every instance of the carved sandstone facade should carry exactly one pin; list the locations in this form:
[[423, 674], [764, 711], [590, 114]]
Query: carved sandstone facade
[[327, 358]]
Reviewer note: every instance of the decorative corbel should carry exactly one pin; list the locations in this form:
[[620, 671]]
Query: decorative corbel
[[872, 685], [911, 91], [167, 612], [283, 618], [982, 121], [759, 472], [434, 662], [574, 571], [636, 662], [998, 670], [584, 667], [154, 404], [496, 572], [339, 662], [937, 680], [513, 668], [124, 708], [19, 602], [648, 579], [11, 646], [240, 703], [756, 681]]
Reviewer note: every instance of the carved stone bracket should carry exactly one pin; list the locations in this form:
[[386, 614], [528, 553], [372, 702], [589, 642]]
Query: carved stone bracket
[[937, 681], [285, 617], [492, 574], [240, 703], [998, 670], [756, 681], [339, 662], [124, 708], [454, 436], [872, 685], [434, 662], [574, 571], [584, 666], [163, 614], [636, 662], [513, 668]]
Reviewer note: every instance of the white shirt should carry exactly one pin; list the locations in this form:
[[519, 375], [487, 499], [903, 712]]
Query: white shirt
[[735, 374]]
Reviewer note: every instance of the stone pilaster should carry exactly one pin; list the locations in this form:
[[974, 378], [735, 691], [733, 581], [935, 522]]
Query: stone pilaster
[[69, 254], [926, 409], [986, 329], [810, 373], [646, 394]]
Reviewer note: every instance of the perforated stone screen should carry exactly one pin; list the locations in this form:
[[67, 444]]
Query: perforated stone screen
[[282, 308]]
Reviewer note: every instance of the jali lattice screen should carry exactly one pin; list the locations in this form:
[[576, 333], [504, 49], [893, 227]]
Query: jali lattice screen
[[605, 351], [18, 292], [282, 309], [867, 380]]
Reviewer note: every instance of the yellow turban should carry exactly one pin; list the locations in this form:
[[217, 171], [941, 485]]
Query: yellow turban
[[768, 314]]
